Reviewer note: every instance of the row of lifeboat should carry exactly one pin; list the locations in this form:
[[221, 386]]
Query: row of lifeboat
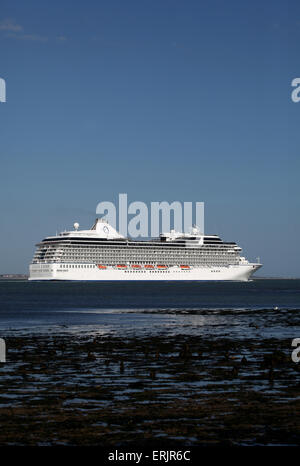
[[146, 266]]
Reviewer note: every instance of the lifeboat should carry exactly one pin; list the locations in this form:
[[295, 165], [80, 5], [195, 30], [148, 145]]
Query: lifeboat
[[184, 266], [122, 266], [101, 266], [136, 266], [149, 266], [162, 267]]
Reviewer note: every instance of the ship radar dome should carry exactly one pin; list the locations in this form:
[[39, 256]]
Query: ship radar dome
[[76, 226]]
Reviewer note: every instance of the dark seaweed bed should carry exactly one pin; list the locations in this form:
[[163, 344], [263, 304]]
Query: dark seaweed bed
[[82, 371]]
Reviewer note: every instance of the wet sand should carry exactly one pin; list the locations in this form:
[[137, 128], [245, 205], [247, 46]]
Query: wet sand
[[144, 391]]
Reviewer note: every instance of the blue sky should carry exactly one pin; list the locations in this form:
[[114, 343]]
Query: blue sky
[[163, 100]]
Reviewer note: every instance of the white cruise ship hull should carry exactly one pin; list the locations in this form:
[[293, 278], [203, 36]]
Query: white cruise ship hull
[[85, 272]]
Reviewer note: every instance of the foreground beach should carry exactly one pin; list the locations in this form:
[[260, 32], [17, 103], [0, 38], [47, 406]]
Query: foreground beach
[[153, 390], [145, 365]]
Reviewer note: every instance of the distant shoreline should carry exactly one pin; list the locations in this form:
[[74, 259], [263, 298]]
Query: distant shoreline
[[19, 276], [276, 278], [15, 276]]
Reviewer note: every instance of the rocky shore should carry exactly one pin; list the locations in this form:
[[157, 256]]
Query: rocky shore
[[181, 390]]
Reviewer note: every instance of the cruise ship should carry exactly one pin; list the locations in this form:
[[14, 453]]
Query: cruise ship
[[103, 254]]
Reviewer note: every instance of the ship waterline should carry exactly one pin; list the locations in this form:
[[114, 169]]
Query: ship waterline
[[102, 254]]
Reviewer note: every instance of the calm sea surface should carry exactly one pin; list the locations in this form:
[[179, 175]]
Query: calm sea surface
[[269, 308]]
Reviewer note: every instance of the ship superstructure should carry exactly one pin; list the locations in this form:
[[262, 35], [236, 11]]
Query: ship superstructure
[[102, 253]]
